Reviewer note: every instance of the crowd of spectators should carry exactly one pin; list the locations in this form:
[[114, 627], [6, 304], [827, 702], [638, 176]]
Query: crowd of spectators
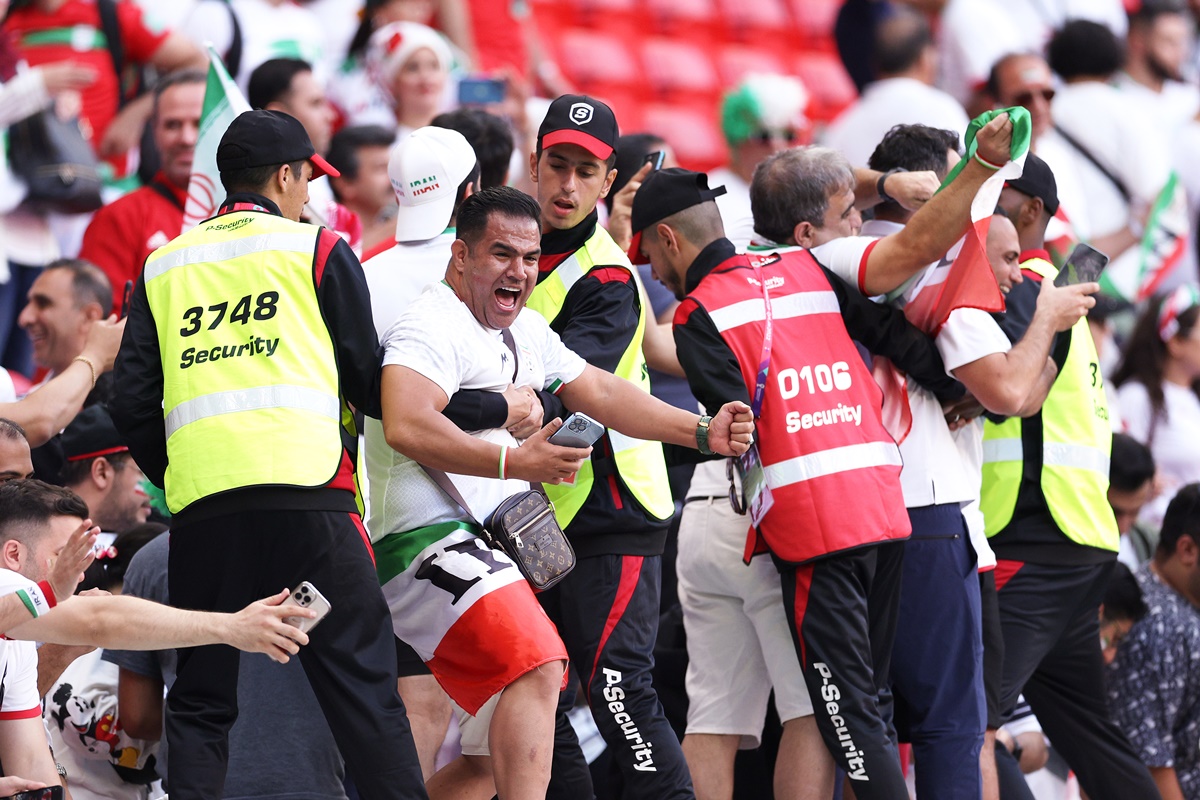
[[1037, 633]]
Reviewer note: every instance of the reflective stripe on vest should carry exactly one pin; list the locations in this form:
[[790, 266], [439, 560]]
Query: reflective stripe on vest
[[250, 384], [789, 306], [640, 463], [831, 462], [212, 405], [1076, 441]]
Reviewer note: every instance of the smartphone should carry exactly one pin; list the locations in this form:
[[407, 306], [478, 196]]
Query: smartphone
[[578, 430], [1083, 266], [126, 298], [49, 793], [481, 91], [306, 596], [655, 160]]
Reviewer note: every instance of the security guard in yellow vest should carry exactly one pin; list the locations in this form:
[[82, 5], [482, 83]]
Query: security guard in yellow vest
[[249, 338], [1044, 500], [616, 513]]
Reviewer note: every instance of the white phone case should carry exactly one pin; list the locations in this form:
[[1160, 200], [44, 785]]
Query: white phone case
[[306, 596]]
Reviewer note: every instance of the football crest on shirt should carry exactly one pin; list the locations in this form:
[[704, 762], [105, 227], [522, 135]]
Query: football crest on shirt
[[582, 113]]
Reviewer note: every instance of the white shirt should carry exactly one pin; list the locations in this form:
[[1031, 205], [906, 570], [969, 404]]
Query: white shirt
[[734, 206], [268, 31], [438, 337], [1173, 444], [883, 104], [18, 662], [395, 278]]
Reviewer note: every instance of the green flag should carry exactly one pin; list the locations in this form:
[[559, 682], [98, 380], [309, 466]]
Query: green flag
[[223, 102]]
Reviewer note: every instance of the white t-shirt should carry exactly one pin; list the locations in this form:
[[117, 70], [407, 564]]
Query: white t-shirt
[[1173, 445], [438, 337], [395, 278], [19, 661], [894, 101], [734, 206], [287, 30]]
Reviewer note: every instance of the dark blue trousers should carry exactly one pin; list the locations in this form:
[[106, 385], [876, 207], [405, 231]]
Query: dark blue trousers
[[937, 661]]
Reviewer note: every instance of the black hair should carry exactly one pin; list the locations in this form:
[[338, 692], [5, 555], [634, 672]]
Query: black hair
[[1145, 358], [900, 40], [253, 179], [27, 506], [1083, 48], [476, 210], [1123, 597], [179, 77], [345, 144], [490, 138], [109, 572], [1182, 519], [75, 472], [12, 431], [1131, 464], [88, 282], [914, 148], [271, 80], [1148, 11], [632, 148], [472, 178]]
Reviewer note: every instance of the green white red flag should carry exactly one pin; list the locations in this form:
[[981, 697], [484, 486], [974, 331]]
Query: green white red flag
[[223, 103]]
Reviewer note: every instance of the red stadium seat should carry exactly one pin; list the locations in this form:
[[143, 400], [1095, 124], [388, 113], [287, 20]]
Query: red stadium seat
[[764, 22], [596, 62], [692, 134], [815, 20], [695, 21], [680, 71], [828, 84], [737, 61]]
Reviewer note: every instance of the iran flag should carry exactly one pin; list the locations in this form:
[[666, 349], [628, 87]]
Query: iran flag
[[223, 103], [963, 278]]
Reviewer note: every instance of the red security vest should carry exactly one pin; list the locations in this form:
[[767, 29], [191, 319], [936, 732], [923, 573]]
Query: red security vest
[[833, 470]]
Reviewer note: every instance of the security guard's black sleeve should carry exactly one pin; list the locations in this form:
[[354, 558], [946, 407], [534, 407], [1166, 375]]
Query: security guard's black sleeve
[[478, 410], [598, 321], [346, 304], [137, 410], [885, 331]]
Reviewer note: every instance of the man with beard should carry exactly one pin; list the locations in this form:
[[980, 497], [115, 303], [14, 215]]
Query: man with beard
[[123, 233]]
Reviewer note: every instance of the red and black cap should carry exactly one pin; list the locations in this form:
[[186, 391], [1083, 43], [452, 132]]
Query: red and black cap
[[1037, 180], [582, 120], [265, 138], [662, 194], [91, 435]]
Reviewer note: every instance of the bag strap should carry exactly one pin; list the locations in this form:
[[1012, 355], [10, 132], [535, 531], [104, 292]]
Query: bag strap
[[507, 336], [165, 193], [112, 36], [1095, 162], [447, 486]]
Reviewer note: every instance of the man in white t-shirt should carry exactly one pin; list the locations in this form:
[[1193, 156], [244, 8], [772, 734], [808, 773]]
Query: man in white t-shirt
[[906, 61], [465, 608], [432, 170], [44, 533]]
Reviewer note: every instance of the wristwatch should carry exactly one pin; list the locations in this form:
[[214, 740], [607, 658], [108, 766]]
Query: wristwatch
[[884, 196], [702, 436]]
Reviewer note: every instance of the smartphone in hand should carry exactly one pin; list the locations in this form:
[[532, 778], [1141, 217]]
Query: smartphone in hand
[[1084, 265], [578, 430], [655, 160], [306, 596]]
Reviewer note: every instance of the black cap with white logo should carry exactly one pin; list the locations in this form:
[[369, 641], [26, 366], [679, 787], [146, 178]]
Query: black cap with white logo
[[582, 120]]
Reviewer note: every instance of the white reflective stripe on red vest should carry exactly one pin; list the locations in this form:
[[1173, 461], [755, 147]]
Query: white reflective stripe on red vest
[[301, 398], [798, 304], [831, 462], [211, 252]]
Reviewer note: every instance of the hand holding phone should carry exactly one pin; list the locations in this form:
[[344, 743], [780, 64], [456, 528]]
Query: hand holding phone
[[1084, 265], [578, 430], [306, 596], [655, 160], [481, 91]]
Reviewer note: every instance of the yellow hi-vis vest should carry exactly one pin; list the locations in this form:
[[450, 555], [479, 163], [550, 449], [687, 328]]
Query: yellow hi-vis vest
[[640, 464], [250, 382], [1076, 443]]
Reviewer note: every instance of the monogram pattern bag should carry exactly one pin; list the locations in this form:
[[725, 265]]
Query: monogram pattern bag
[[524, 527]]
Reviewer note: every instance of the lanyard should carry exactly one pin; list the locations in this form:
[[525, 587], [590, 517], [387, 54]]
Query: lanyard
[[764, 363]]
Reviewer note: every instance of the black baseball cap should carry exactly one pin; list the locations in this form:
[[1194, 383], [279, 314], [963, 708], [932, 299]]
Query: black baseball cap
[[1037, 181], [264, 138], [91, 435], [582, 120], [662, 194]]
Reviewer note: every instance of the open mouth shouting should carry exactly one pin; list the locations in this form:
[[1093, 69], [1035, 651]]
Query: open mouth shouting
[[508, 298]]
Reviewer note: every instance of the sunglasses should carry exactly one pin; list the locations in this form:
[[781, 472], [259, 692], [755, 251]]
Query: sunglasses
[[788, 135], [736, 500], [1027, 97]]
